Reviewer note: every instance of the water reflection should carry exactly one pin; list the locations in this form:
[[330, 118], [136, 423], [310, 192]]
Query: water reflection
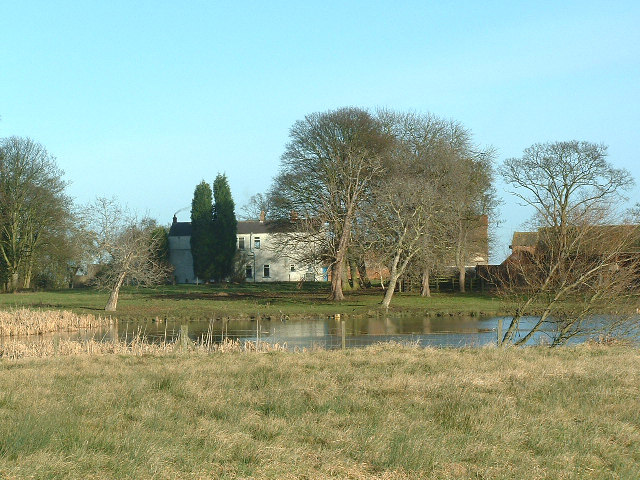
[[319, 332]]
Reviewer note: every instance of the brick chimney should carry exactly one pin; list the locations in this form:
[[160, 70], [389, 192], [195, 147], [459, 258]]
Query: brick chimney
[[175, 219], [263, 216]]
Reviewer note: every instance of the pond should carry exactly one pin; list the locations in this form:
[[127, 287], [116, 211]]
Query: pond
[[325, 332]]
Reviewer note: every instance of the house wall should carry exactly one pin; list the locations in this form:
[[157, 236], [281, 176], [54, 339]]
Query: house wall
[[280, 267], [181, 259]]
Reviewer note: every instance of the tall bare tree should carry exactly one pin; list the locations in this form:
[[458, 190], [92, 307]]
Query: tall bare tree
[[34, 209], [585, 263], [326, 171], [406, 203], [434, 189], [405, 215], [128, 248], [467, 180]]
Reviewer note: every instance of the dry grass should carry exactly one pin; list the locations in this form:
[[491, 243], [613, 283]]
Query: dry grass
[[24, 321], [381, 412], [136, 346]]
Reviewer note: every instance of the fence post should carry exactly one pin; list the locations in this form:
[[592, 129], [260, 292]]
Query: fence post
[[344, 334], [257, 333], [499, 331]]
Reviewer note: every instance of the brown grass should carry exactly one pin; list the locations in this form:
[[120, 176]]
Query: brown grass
[[136, 346], [24, 321], [384, 412]]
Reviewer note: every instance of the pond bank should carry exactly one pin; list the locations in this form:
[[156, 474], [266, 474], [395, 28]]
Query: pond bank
[[247, 301]]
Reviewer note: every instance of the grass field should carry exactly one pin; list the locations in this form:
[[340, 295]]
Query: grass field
[[240, 301], [382, 412]]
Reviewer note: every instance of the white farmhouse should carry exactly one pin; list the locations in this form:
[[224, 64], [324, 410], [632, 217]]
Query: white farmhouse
[[257, 241]]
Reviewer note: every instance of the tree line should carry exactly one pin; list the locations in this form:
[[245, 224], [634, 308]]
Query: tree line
[[404, 191], [45, 240], [411, 192]]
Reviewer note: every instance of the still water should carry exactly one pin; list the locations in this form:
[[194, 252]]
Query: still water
[[322, 332]]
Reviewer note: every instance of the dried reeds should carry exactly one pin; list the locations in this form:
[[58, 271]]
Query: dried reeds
[[25, 321], [137, 346]]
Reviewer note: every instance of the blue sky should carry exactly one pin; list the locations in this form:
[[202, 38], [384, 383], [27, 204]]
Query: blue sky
[[143, 100]]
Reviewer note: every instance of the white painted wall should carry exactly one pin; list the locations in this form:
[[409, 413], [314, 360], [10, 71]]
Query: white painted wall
[[279, 266]]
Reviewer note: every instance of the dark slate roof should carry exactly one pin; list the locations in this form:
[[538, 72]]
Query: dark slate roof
[[254, 226], [183, 229], [180, 229]]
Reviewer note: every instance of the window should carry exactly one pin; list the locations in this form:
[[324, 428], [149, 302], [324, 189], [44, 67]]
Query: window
[[241, 243], [265, 272], [256, 242], [292, 268], [248, 272]]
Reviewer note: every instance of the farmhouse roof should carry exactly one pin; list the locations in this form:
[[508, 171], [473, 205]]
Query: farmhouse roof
[[524, 239], [183, 229], [254, 226], [180, 229], [595, 235]]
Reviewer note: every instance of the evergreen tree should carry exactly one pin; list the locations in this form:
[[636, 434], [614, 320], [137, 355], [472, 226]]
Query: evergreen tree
[[201, 230], [224, 229]]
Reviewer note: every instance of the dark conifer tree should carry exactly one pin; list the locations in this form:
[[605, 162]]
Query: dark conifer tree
[[225, 228], [201, 230]]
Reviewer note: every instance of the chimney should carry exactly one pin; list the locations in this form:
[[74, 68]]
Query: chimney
[[263, 216], [175, 219], [293, 216]]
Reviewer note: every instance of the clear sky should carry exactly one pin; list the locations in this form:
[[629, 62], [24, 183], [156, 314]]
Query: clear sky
[[143, 100]]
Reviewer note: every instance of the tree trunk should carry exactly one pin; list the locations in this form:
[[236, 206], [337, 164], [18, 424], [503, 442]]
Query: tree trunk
[[393, 279], [362, 271], [336, 283], [341, 255], [426, 290], [355, 281], [462, 277], [346, 286], [13, 281], [112, 303], [26, 283]]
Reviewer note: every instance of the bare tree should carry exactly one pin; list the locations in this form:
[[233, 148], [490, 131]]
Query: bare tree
[[404, 216], [585, 263], [405, 204], [34, 209], [258, 207], [126, 246], [326, 172], [434, 188], [467, 181]]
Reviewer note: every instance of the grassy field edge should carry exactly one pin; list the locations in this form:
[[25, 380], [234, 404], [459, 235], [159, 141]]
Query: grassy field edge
[[379, 412]]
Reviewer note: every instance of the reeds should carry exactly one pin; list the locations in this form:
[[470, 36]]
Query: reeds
[[24, 321], [138, 345]]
